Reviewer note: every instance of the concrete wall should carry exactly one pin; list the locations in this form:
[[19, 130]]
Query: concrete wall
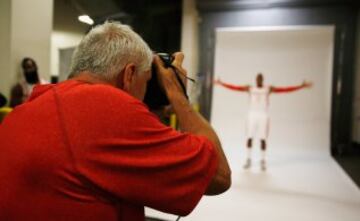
[[189, 45], [5, 19]]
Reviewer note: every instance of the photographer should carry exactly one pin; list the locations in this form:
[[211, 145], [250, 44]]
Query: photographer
[[90, 149]]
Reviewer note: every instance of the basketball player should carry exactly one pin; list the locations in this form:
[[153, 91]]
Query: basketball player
[[258, 116]]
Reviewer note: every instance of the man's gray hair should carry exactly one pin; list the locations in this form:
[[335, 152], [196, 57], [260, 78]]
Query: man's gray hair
[[108, 48]]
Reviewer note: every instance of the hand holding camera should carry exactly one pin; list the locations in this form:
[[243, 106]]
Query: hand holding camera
[[168, 78]]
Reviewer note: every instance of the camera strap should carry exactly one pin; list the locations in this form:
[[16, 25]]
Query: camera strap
[[180, 81]]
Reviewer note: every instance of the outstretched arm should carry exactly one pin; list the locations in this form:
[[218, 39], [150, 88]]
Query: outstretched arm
[[305, 84], [232, 87]]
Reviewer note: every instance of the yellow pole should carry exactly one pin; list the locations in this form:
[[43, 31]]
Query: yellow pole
[[173, 121]]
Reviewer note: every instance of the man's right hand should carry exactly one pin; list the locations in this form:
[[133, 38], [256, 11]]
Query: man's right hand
[[307, 84], [167, 76]]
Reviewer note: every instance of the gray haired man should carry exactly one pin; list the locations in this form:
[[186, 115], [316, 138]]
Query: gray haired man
[[98, 153]]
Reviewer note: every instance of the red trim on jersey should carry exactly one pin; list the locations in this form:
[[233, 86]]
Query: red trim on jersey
[[286, 89], [233, 87]]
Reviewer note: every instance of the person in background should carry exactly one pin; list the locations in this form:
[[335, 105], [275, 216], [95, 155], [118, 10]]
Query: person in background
[[258, 120], [88, 148], [22, 90]]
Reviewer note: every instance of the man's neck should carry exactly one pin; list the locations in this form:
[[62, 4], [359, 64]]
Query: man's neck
[[91, 78]]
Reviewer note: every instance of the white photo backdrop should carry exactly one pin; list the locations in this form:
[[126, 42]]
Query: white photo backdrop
[[286, 56]]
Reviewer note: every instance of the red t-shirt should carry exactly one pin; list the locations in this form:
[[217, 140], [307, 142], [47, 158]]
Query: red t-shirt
[[79, 151]]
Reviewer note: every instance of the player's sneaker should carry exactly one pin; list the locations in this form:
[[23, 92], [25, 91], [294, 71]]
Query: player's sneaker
[[263, 165], [247, 164]]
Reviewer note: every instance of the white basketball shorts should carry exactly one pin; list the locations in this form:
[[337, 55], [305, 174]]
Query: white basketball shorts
[[258, 125]]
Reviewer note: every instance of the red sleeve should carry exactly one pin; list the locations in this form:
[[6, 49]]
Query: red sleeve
[[233, 87], [286, 89], [126, 151]]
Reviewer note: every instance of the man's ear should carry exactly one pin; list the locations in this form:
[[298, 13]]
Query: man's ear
[[128, 76]]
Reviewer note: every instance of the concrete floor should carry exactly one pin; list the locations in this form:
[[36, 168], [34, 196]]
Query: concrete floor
[[298, 185]]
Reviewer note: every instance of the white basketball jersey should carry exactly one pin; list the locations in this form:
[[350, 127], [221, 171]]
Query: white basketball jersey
[[259, 99]]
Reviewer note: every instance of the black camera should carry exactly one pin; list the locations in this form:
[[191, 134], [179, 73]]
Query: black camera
[[155, 97]]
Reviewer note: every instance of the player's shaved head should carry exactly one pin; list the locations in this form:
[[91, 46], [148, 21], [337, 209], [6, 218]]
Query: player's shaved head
[[259, 79]]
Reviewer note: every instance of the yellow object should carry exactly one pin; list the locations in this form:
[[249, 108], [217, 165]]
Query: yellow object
[[173, 121], [3, 112], [196, 107]]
